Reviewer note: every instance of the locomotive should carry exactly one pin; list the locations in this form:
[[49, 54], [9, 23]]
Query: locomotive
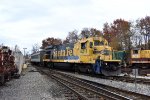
[[80, 56], [136, 58], [140, 58]]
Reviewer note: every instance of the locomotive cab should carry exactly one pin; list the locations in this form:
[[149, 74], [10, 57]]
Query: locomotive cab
[[90, 48], [140, 58], [135, 53], [109, 66]]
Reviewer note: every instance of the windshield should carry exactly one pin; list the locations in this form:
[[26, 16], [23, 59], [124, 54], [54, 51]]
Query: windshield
[[98, 43]]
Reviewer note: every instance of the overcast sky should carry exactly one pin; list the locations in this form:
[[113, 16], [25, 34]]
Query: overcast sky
[[26, 22]]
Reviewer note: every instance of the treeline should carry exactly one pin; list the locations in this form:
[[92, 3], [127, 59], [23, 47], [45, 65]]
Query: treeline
[[72, 37], [121, 34], [124, 35]]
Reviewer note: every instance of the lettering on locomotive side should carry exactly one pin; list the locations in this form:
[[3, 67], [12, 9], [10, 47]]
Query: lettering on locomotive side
[[70, 52], [63, 52], [59, 53], [67, 52]]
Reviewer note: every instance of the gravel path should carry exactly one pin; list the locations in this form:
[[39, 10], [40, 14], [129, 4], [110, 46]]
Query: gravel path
[[31, 86]]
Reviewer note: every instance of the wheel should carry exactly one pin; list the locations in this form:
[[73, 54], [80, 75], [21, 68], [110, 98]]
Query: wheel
[[76, 69], [90, 69], [50, 65]]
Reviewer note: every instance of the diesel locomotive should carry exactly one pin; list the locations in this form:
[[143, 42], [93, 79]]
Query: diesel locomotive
[[80, 56], [140, 58], [135, 58]]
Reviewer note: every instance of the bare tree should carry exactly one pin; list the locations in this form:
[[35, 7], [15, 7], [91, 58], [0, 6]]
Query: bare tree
[[66, 41], [118, 34], [72, 37], [35, 48], [144, 28], [50, 41], [137, 37], [94, 32], [84, 33], [90, 32], [16, 48]]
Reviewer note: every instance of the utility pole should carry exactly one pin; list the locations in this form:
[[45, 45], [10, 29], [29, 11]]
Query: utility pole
[[24, 54], [24, 51]]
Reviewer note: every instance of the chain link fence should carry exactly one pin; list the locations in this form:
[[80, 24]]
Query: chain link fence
[[19, 60]]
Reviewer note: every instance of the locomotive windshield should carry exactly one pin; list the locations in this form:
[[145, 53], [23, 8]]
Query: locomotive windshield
[[83, 45], [98, 43]]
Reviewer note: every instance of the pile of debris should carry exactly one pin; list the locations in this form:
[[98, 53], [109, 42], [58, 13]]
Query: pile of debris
[[7, 65]]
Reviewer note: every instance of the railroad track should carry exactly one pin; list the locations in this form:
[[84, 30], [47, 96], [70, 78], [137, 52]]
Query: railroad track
[[129, 79], [121, 78], [88, 90]]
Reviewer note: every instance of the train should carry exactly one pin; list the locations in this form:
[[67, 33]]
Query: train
[[140, 58], [80, 56], [135, 58], [7, 65]]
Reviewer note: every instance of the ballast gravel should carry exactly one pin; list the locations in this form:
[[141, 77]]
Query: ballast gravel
[[139, 88]]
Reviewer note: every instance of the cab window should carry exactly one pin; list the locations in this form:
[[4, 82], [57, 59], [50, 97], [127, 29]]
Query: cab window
[[83, 45], [91, 44], [135, 51], [98, 43]]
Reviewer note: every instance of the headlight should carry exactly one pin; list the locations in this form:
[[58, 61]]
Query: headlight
[[105, 63]]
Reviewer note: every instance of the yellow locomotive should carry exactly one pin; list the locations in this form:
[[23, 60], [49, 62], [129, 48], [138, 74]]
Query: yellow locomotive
[[82, 56], [140, 58]]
